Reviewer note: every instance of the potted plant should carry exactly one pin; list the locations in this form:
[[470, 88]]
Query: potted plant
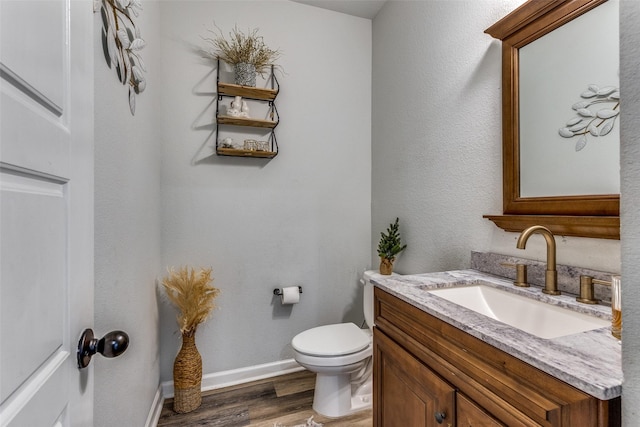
[[246, 52], [193, 296], [389, 246]]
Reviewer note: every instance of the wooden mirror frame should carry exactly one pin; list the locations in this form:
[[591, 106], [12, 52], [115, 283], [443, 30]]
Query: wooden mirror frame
[[585, 216]]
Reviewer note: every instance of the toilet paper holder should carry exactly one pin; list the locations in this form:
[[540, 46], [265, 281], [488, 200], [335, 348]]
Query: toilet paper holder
[[278, 291]]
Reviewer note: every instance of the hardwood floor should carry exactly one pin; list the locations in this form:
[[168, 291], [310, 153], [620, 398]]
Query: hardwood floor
[[286, 399]]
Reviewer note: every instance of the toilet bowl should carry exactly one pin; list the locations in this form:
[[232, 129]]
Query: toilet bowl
[[341, 356]]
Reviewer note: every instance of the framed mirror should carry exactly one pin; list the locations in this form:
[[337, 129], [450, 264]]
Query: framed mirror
[[560, 93]]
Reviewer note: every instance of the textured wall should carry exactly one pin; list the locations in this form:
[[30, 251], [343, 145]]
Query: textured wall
[[436, 149], [306, 217], [630, 181], [302, 218], [436, 138], [127, 232], [436, 129]]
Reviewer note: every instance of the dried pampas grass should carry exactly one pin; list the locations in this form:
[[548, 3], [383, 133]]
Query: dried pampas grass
[[192, 295], [243, 48]]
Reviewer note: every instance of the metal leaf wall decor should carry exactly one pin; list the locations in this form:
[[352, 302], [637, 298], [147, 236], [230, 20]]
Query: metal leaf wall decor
[[122, 44], [596, 114]]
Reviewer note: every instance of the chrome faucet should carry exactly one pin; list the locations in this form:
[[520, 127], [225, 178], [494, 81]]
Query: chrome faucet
[[551, 275]]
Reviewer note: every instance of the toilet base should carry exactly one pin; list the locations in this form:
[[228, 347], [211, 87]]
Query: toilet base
[[362, 397], [336, 397]]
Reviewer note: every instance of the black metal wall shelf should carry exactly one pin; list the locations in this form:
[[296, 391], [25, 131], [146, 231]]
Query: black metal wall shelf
[[254, 94]]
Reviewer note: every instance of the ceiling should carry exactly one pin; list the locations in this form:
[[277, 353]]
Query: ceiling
[[362, 8]]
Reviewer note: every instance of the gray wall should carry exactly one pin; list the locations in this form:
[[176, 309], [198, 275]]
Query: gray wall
[[306, 217], [436, 138], [630, 215], [302, 218], [127, 232], [436, 133], [436, 152]]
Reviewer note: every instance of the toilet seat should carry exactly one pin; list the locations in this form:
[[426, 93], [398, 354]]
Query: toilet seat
[[335, 340], [346, 362]]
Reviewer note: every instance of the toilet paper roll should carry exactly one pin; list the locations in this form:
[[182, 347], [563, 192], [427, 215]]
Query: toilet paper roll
[[290, 295]]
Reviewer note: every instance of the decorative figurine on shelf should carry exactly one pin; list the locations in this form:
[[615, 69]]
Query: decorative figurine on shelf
[[238, 108], [244, 112], [227, 143], [235, 108]]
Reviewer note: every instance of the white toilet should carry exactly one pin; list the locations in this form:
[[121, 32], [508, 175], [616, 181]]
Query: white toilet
[[341, 357]]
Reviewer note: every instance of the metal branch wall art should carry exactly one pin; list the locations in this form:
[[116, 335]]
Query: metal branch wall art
[[596, 114], [122, 45]]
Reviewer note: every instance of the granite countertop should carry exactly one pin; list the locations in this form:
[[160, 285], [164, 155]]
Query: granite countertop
[[589, 361]]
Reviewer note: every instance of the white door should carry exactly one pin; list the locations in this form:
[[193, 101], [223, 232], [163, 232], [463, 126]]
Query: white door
[[46, 210]]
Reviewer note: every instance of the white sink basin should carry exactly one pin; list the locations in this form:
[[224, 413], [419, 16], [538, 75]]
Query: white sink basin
[[529, 315]]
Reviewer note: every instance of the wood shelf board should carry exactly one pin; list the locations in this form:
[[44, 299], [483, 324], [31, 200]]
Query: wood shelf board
[[246, 153], [601, 227], [230, 89], [240, 121]]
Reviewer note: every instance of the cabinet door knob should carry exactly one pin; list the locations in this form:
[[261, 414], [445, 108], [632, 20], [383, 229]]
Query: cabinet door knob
[[440, 416]]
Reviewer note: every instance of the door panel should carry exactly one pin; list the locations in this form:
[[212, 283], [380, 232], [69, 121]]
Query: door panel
[[33, 41], [46, 210], [33, 213]]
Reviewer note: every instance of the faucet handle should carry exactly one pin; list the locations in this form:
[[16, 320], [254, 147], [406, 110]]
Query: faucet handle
[[521, 273], [586, 289]]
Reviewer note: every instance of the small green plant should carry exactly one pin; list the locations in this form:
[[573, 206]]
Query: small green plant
[[390, 244]]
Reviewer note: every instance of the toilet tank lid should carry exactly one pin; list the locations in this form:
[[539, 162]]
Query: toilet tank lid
[[331, 340]]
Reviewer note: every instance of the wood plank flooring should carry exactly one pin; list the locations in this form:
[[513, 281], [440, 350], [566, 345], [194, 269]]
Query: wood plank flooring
[[286, 399]]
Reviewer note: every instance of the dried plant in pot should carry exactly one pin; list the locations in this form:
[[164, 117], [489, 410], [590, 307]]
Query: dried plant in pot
[[192, 295], [248, 53], [389, 246]]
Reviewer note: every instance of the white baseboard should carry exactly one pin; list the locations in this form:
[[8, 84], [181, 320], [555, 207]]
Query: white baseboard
[[156, 408], [239, 376]]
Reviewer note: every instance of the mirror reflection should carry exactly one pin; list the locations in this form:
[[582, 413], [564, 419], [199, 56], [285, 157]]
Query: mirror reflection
[[569, 105]]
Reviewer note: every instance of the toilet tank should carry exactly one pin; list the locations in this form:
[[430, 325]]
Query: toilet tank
[[367, 298]]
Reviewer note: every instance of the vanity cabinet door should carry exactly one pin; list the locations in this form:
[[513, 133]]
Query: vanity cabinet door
[[406, 392], [415, 349], [469, 414]]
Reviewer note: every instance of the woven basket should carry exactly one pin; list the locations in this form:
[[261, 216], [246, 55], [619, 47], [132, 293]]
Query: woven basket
[[187, 376]]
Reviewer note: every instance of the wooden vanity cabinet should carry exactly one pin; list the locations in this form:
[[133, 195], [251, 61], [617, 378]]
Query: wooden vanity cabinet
[[469, 414], [408, 393], [426, 371]]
